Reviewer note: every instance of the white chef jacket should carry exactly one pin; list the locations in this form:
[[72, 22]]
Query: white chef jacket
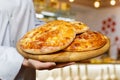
[[16, 18]]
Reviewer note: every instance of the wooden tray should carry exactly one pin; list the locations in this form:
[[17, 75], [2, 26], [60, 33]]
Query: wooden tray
[[66, 56]]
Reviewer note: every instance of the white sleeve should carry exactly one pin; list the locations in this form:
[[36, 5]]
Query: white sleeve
[[10, 63], [22, 20], [10, 59]]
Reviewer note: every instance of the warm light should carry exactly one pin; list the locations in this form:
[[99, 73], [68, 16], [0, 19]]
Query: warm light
[[52, 0], [113, 2], [65, 6], [71, 0], [96, 4]]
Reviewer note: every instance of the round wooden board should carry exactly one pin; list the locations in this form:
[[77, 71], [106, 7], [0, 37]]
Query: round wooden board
[[66, 56]]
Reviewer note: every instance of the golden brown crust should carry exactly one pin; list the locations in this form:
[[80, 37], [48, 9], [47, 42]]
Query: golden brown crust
[[67, 56], [80, 27], [86, 41], [51, 37]]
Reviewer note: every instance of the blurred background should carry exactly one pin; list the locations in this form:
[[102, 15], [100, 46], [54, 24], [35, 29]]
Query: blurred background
[[99, 15]]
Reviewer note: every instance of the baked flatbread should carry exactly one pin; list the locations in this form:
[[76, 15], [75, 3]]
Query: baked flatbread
[[62, 41], [66, 56], [89, 40], [80, 27], [51, 37]]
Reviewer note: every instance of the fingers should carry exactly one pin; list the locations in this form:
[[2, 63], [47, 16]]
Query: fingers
[[41, 65], [45, 65], [60, 65]]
